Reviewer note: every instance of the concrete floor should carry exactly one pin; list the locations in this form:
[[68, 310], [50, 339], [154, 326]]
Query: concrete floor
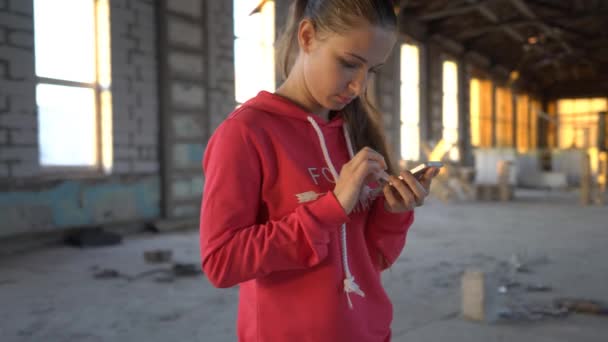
[[51, 294]]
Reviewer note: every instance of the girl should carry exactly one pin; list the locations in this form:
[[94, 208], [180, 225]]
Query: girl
[[292, 209]]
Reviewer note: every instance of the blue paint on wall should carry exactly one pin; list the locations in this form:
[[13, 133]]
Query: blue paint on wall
[[79, 203]]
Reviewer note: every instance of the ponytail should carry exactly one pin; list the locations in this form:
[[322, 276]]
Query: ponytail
[[287, 42]]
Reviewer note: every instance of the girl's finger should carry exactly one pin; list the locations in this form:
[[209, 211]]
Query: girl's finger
[[369, 154], [428, 176], [416, 188], [407, 197], [389, 196]]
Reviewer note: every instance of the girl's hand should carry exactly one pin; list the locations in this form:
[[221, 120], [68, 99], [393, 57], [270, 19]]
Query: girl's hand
[[404, 195], [361, 169]]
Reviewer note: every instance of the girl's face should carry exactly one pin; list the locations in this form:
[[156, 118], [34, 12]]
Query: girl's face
[[336, 67]]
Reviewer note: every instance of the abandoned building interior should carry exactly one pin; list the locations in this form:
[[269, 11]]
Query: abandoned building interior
[[106, 108]]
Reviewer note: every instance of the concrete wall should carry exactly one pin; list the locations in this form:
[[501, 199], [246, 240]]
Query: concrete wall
[[197, 93], [30, 202], [173, 84]]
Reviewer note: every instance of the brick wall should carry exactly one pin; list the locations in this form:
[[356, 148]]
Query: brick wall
[[197, 93], [18, 121], [30, 204], [134, 86]]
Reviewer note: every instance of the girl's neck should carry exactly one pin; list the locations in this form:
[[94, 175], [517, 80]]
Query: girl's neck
[[294, 89]]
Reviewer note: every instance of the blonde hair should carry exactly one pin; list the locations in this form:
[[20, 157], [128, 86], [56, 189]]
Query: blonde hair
[[339, 16]]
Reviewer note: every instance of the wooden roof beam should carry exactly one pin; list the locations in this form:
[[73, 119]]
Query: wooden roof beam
[[523, 8], [488, 14], [453, 11]]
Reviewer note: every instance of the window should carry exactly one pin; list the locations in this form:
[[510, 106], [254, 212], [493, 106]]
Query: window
[[535, 107], [450, 107], [523, 123], [579, 121], [481, 112], [253, 48], [410, 102], [73, 83], [504, 117]]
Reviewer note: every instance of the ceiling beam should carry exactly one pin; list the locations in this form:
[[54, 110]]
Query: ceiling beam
[[579, 88], [453, 11], [410, 26], [523, 8], [488, 14], [479, 31]]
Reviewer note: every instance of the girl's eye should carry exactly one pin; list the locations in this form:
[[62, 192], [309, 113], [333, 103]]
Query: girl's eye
[[347, 64]]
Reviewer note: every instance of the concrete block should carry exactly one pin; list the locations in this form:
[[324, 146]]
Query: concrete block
[[22, 7], [19, 153], [144, 138], [3, 136], [185, 211], [186, 126], [23, 137], [186, 188], [4, 171], [2, 35], [22, 39], [121, 166], [473, 292], [184, 33], [146, 167], [25, 102], [20, 61], [187, 155], [553, 180], [3, 99], [187, 95], [191, 8], [125, 152], [147, 153], [187, 64], [17, 22], [568, 161], [26, 169], [17, 121]]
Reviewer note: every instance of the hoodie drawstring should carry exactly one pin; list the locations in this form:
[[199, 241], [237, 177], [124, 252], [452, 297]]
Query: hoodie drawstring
[[349, 280]]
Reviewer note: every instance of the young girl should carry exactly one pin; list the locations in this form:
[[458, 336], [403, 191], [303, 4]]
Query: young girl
[[292, 209]]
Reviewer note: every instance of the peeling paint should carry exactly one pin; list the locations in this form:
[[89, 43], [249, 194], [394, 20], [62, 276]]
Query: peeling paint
[[78, 203]]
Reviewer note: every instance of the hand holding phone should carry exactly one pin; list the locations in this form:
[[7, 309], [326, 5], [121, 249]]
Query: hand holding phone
[[410, 191], [418, 171]]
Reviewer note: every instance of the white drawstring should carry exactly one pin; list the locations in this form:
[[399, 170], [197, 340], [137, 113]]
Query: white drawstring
[[349, 280], [366, 192]]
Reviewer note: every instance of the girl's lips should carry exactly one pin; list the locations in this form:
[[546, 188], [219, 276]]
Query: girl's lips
[[344, 100]]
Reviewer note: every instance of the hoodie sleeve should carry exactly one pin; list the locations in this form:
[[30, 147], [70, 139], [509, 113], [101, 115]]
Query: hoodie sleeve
[[235, 247], [385, 233]]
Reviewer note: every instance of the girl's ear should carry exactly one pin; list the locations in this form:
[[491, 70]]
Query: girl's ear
[[306, 36]]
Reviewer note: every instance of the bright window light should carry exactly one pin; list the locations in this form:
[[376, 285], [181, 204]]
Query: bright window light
[[65, 39], [253, 48], [410, 102], [72, 59], [450, 107], [68, 118]]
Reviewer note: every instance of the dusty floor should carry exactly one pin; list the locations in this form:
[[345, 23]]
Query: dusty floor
[[52, 295]]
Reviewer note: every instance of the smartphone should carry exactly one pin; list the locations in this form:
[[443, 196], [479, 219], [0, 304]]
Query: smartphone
[[418, 171]]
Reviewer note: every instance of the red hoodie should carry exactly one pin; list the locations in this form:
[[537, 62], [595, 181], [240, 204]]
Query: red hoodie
[[271, 223]]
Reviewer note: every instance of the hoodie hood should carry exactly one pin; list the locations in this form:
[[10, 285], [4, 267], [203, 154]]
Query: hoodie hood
[[278, 105]]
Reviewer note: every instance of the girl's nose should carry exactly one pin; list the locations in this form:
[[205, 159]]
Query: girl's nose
[[357, 84]]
